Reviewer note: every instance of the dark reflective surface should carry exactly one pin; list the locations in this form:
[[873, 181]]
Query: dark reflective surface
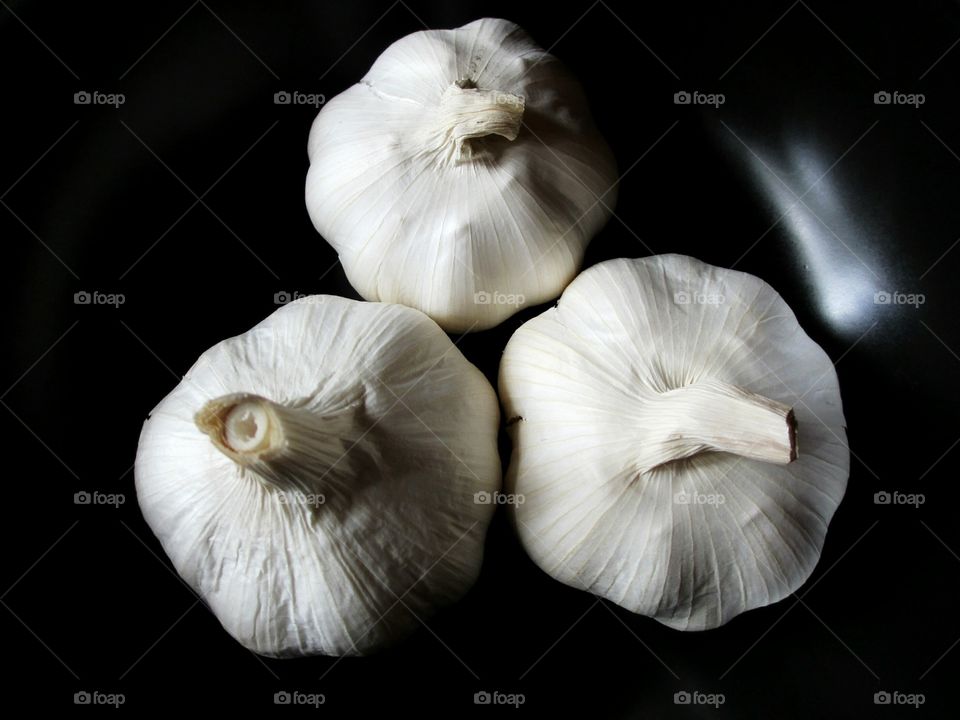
[[187, 199]]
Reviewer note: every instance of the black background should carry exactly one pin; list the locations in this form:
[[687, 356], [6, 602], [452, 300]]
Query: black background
[[104, 199]]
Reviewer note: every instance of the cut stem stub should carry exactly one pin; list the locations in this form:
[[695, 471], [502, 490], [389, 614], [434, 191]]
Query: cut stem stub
[[468, 113], [713, 416], [287, 446], [244, 427]]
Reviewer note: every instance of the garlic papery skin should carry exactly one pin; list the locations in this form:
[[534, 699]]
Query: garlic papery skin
[[678, 440], [462, 175], [305, 475]]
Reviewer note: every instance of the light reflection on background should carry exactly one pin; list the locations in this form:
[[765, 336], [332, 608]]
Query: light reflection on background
[[825, 233]]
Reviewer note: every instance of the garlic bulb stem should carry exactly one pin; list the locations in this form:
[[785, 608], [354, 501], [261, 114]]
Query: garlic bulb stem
[[286, 446], [467, 113], [719, 417]]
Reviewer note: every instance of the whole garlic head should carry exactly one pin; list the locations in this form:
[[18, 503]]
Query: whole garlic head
[[462, 176], [678, 440], [314, 479]]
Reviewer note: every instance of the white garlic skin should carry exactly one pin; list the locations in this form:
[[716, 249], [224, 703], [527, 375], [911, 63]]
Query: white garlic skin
[[575, 382], [467, 240], [390, 513]]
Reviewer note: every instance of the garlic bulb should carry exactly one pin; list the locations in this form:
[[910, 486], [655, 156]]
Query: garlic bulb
[[678, 440], [314, 479], [462, 176]]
